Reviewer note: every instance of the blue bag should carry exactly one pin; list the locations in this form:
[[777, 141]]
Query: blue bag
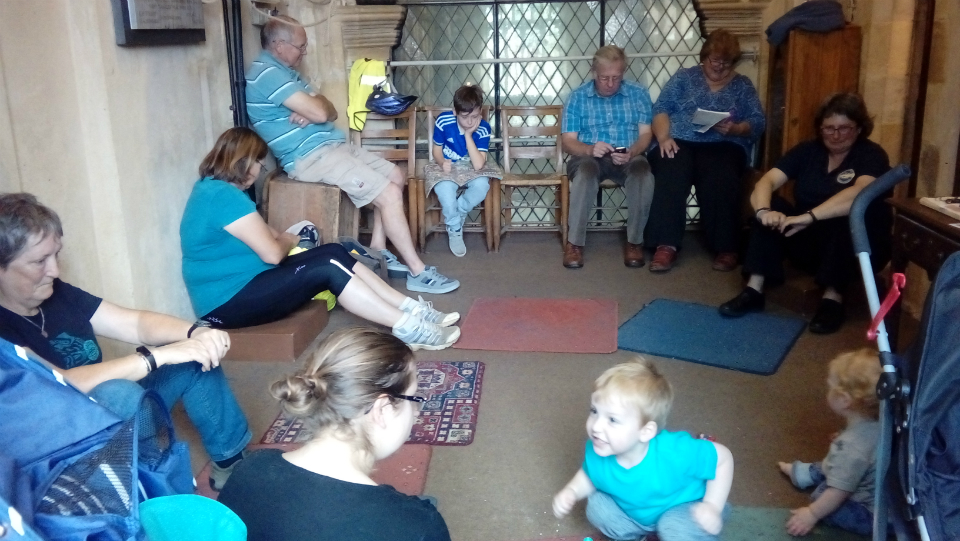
[[74, 470]]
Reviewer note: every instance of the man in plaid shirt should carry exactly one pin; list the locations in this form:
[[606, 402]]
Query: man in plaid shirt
[[606, 131]]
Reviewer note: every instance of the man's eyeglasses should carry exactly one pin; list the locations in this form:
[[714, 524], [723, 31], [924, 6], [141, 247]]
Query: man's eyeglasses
[[842, 130], [303, 48]]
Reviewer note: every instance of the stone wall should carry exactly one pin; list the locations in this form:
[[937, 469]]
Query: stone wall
[[110, 137]]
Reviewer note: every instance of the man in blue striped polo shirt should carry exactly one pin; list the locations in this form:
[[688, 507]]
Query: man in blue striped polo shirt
[[296, 122], [606, 131]]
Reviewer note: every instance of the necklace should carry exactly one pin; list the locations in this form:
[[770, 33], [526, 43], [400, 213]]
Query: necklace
[[43, 322]]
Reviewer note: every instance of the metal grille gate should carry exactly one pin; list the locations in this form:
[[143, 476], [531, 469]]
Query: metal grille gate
[[526, 53]]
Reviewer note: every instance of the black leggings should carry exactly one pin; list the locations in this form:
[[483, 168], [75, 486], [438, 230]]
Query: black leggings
[[824, 248], [716, 169], [274, 294]]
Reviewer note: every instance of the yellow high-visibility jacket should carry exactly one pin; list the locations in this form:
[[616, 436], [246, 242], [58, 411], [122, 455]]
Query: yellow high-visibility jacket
[[363, 75]]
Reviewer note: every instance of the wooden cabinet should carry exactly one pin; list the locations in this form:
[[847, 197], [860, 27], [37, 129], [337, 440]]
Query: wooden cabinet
[[804, 70]]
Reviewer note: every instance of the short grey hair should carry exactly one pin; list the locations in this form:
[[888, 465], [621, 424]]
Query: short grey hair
[[279, 27], [22, 217]]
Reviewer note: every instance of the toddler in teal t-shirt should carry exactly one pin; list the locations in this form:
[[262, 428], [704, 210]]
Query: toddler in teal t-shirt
[[638, 478]]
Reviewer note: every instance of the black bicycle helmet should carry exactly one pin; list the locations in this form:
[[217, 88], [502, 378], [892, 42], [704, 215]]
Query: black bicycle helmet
[[388, 103]]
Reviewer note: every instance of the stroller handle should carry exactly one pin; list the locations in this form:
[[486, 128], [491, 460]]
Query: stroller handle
[[879, 186]]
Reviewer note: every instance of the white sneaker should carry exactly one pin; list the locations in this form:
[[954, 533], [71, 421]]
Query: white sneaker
[[420, 334], [457, 246], [425, 311]]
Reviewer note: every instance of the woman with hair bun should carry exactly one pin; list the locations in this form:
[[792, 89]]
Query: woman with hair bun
[[356, 395]]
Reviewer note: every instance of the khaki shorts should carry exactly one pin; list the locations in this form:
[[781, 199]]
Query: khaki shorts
[[360, 174]]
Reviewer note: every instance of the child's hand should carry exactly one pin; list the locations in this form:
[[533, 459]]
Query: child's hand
[[563, 503], [801, 521], [447, 166], [708, 517], [786, 468]]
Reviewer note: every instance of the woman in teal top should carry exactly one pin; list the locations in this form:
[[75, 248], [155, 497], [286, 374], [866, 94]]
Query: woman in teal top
[[238, 272]]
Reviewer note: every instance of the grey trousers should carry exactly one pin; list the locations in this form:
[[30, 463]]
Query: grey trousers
[[586, 173]]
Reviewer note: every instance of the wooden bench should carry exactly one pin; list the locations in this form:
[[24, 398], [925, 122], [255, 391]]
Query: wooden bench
[[280, 341]]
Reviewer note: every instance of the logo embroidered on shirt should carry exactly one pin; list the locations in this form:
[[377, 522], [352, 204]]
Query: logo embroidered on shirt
[[846, 176], [299, 268]]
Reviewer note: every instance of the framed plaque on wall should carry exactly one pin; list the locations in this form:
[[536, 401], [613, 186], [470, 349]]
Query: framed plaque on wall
[[158, 22]]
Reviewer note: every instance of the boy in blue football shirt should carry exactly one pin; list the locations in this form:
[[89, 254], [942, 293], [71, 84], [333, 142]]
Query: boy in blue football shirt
[[638, 478], [461, 139]]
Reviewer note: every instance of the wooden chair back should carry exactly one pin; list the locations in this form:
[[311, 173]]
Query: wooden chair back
[[516, 137]]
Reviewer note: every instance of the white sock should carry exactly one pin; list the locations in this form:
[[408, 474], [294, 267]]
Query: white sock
[[404, 319], [408, 304]]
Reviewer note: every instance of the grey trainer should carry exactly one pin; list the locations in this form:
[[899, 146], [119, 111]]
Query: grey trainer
[[420, 334], [425, 311], [457, 246], [431, 281], [395, 269]]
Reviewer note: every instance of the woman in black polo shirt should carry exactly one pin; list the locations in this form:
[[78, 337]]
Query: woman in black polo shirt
[[814, 232]]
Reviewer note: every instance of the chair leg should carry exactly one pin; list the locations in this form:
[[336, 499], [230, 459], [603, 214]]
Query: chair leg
[[488, 205], [497, 217]]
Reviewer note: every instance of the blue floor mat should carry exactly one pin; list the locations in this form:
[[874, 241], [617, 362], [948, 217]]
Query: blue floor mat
[[756, 343]]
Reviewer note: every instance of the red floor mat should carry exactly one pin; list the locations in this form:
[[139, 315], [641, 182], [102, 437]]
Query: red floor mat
[[553, 325]]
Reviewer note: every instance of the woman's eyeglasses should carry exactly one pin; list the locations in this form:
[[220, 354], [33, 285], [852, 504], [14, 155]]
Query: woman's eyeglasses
[[417, 400], [842, 130], [719, 63]]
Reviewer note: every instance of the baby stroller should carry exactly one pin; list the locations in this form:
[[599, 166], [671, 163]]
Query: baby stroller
[[918, 455]]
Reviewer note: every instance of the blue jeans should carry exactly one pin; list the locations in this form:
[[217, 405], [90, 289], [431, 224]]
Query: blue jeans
[[676, 524], [455, 207], [207, 397], [851, 516]]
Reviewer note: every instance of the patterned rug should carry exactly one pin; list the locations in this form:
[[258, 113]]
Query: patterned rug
[[448, 417]]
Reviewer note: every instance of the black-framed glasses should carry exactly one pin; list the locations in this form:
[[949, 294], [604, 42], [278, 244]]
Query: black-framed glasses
[[719, 63], [842, 130], [412, 398]]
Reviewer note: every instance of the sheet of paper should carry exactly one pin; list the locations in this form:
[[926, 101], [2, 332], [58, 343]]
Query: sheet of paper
[[708, 119]]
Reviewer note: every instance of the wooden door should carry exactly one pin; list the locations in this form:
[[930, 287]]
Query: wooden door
[[808, 68]]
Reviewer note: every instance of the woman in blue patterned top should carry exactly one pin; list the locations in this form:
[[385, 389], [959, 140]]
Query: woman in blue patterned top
[[713, 159]]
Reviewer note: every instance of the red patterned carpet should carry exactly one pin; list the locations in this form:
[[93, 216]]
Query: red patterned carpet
[[448, 417]]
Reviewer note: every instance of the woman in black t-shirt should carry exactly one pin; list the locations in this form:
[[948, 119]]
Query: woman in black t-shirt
[[814, 232], [356, 397]]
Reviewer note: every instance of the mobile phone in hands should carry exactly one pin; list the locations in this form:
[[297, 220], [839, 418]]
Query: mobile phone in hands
[[620, 150]]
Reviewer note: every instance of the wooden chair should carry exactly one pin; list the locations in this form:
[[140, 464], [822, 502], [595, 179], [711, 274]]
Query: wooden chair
[[610, 214], [389, 138], [532, 133], [430, 218]]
